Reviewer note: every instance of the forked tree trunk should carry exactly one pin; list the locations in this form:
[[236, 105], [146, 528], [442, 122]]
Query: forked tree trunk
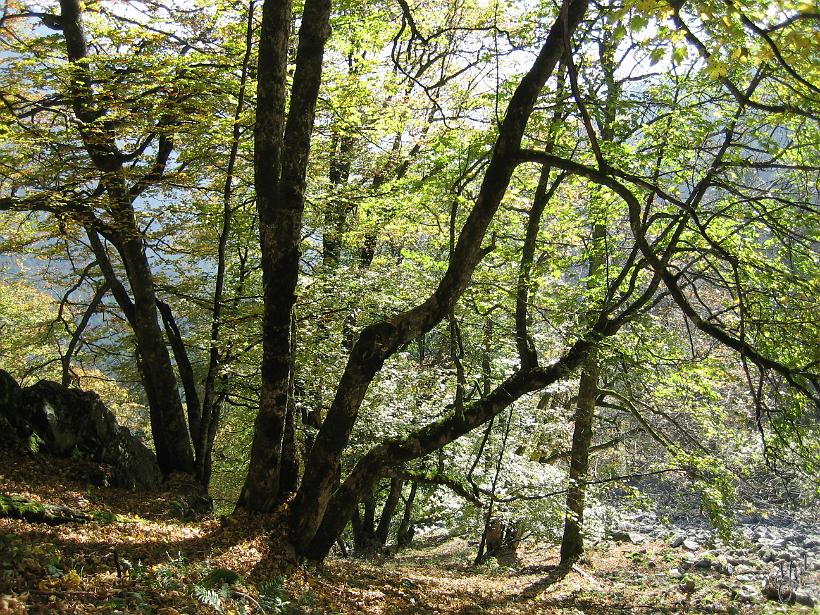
[[281, 147], [168, 423]]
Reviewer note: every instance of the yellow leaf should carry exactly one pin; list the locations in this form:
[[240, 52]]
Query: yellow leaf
[[71, 580], [45, 585]]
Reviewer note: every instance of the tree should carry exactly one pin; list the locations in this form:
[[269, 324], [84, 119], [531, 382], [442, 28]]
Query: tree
[[436, 223], [321, 508], [124, 125]]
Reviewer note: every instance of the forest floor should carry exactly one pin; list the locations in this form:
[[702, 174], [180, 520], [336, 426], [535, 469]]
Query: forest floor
[[140, 560]]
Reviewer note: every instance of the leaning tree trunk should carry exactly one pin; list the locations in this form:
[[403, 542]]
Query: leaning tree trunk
[[404, 535], [379, 341], [169, 427], [389, 509]]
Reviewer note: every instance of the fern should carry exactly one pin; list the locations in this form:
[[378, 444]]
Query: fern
[[274, 597], [209, 597]]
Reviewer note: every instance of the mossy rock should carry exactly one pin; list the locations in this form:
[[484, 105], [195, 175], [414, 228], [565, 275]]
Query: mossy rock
[[16, 507]]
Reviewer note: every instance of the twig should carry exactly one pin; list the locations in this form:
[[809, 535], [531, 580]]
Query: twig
[[251, 598], [588, 576]]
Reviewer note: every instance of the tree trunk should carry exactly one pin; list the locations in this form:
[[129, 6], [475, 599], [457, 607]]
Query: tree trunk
[[289, 477], [171, 438], [214, 387], [404, 535], [389, 509], [489, 545], [280, 167], [572, 544], [168, 424], [364, 535], [16, 507], [500, 540], [96, 300], [436, 435], [339, 208], [379, 341]]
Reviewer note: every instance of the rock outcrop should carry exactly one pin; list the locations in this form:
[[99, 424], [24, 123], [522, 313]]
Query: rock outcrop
[[66, 422]]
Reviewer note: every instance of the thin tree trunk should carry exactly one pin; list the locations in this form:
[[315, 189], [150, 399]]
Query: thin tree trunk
[[289, 477], [389, 509], [95, 302], [483, 554], [339, 207], [404, 535], [543, 193], [572, 543], [212, 399]]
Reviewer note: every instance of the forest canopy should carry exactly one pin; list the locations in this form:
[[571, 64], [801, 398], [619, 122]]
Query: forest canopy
[[500, 254]]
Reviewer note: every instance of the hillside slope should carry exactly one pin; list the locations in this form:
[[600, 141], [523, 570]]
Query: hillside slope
[[137, 557]]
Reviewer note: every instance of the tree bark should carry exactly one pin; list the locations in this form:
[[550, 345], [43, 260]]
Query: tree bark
[[572, 543], [404, 535], [16, 507], [339, 207], [169, 428], [379, 341], [389, 509], [280, 168], [436, 435], [364, 534]]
